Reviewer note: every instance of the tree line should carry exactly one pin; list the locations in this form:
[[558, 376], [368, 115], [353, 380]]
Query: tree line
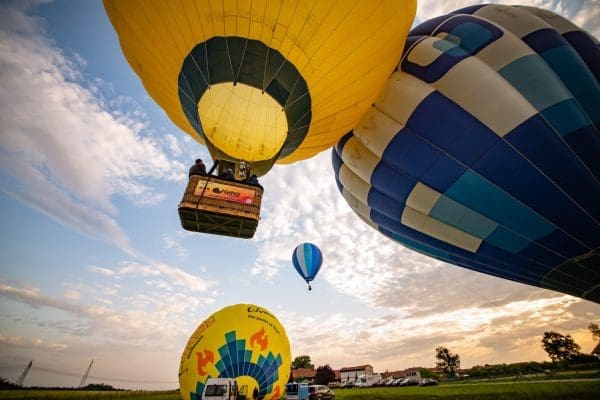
[[562, 350]]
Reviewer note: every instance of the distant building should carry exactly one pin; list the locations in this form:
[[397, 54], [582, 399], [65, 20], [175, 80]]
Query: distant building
[[352, 373], [303, 374]]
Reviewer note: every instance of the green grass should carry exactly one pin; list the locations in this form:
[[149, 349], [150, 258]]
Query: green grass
[[87, 395], [536, 390], [475, 390]]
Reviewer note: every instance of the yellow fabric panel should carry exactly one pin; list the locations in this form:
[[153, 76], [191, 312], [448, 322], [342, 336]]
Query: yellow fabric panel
[[255, 116], [344, 50]]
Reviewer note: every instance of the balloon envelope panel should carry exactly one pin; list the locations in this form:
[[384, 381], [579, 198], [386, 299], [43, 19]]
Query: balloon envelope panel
[[307, 260], [483, 148], [242, 341], [263, 80]]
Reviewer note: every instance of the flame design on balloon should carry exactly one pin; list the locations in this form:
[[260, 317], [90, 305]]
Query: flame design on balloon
[[260, 338], [203, 360]]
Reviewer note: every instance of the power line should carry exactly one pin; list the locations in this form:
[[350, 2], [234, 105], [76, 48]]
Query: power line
[[93, 377]]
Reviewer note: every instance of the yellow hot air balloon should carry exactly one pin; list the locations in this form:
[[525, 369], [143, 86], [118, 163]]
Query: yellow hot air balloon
[[242, 341], [263, 81]]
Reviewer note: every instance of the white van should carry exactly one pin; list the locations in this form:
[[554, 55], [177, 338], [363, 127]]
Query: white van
[[223, 389], [367, 380]]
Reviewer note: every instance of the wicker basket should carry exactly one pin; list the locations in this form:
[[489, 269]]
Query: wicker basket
[[218, 206]]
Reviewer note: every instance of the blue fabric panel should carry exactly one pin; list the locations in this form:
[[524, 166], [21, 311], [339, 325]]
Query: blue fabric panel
[[507, 240], [401, 185], [498, 206], [473, 36], [336, 161], [532, 77], [567, 246], [342, 142], [443, 173], [543, 255], [549, 153], [579, 80], [543, 40], [585, 143], [469, 30], [514, 262], [385, 204], [459, 216], [587, 50], [410, 153], [565, 117], [477, 224], [513, 174], [495, 261], [448, 211], [450, 128], [339, 185]]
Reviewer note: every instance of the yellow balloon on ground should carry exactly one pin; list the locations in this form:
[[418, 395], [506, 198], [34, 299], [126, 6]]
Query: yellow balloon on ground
[[242, 341], [263, 81]]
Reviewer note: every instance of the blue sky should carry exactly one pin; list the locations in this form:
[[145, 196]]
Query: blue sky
[[94, 264]]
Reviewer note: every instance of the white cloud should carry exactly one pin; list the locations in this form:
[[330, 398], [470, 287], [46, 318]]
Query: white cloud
[[172, 244], [506, 333], [29, 342], [68, 150], [101, 270]]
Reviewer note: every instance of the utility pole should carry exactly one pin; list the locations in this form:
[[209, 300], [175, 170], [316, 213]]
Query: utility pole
[[86, 374], [24, 374]]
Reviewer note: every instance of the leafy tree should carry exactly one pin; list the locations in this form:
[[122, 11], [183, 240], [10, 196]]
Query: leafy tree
[[447, 361], [302, 362], [559, 347], [324, 375], [425, 373], [595, 329]]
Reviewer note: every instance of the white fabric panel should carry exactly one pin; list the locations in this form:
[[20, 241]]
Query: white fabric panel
[[375, 130], [422, 198], [518, 21], [485, 95], [503, 51], [359, 159], [440, 230], [354, 184], [402, 94], [423, 53], [360, 208]]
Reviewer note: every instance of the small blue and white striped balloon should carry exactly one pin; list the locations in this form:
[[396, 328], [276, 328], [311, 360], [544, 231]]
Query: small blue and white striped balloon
[[307, 260]]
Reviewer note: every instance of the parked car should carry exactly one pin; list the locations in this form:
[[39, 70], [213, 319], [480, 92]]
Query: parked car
[[396, 382], [409, 382], [320, 392], [428, 382], [347, 385]]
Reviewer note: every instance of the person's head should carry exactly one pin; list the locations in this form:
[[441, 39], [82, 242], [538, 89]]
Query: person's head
[[198, 161]]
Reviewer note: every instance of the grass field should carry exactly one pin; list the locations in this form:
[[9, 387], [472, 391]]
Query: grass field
[[534, 390]]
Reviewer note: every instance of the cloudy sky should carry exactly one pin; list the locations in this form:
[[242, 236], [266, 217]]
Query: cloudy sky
[[94, 264]]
